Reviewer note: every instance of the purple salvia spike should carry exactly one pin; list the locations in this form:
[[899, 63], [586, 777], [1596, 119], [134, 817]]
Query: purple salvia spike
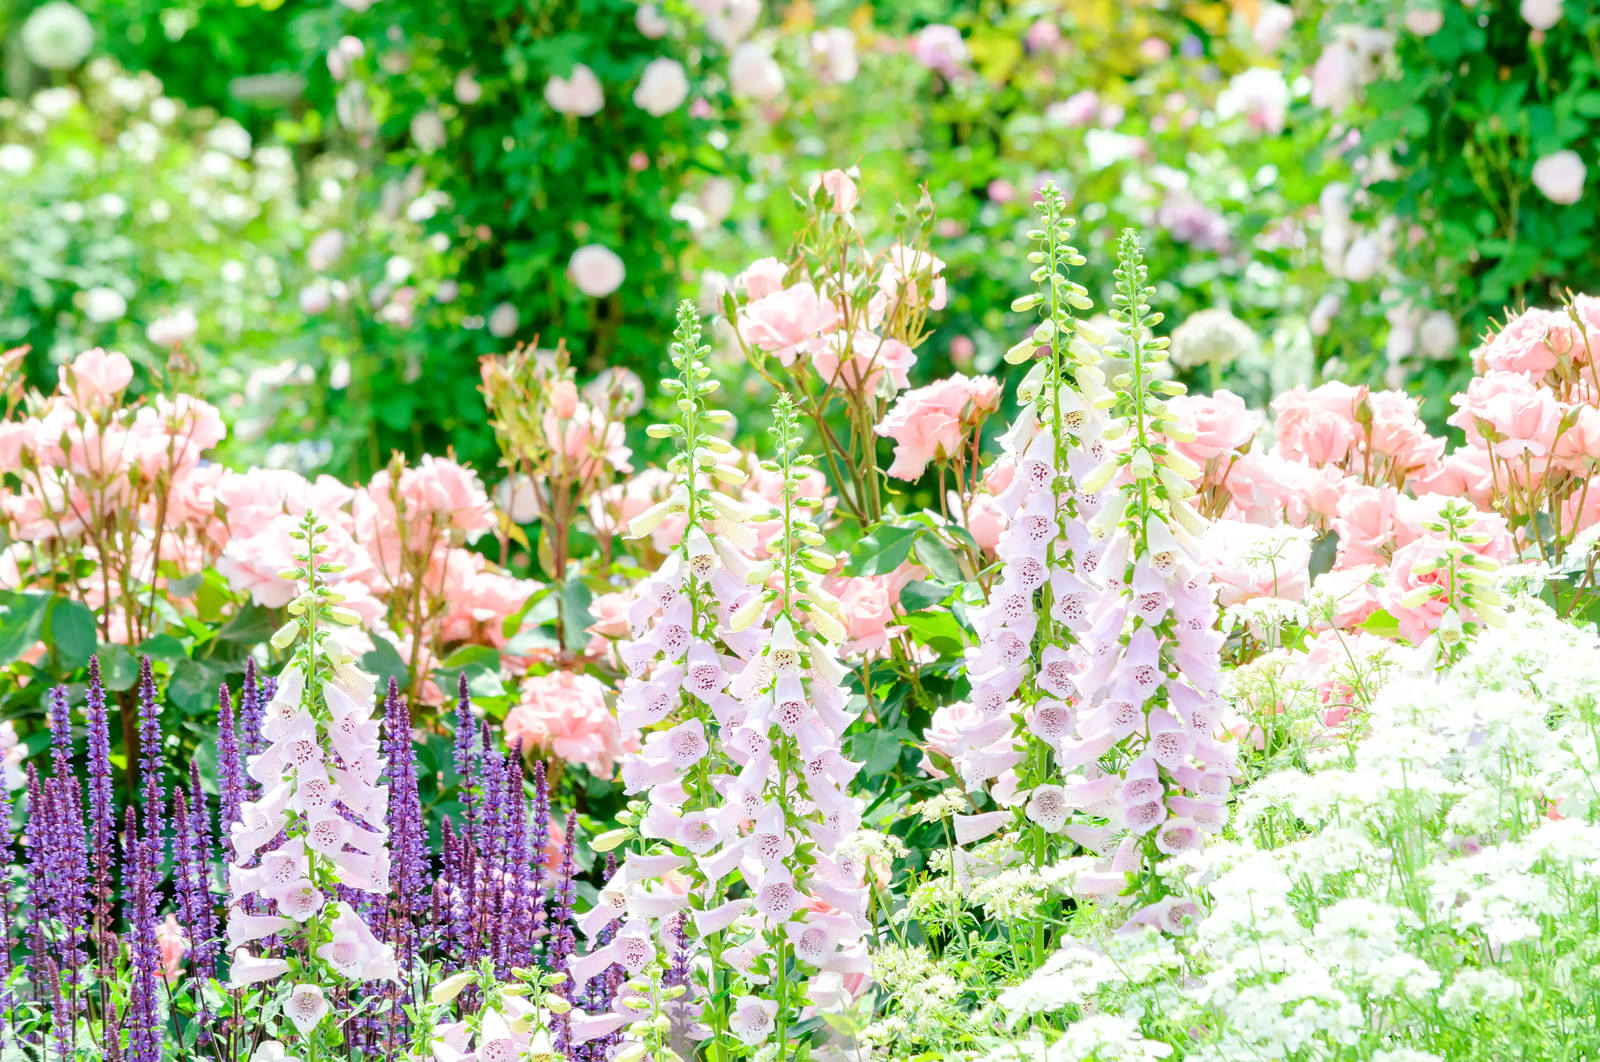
[[37, 846], [143, 1018], [562, 941], [152, 764], [252, 711], [232, 782], [102, 809], [60, 732], [195, 880]]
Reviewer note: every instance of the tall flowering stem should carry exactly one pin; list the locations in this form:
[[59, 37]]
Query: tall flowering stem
[[1149, 699], [809, 903], [686, 654], [1022, 669], [318, 826]]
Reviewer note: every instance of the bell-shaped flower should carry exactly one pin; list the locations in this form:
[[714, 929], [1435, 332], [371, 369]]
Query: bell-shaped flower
[[306, 1007], [247, 969], [752, 1019], [353, 951], [260, 821], [776, 897], [246, 928]]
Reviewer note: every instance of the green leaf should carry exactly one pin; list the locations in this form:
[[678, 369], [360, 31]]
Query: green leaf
[[69, 631], [883, 551], [385, 661], [575, 615], [920, 595], [193, 686], [1382, 624], [939, 631], [939, 559], [879, 750], [1323, 553], [21, 616]]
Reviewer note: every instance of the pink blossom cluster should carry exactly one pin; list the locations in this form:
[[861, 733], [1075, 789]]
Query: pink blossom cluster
[[937, 422], [122, 484], [403, 534], [1361, 465]]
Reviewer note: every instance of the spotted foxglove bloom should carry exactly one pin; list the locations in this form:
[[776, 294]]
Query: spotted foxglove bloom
[[1148, 777], [807, 900], [318, 823], [1024, 665], [683, 666]]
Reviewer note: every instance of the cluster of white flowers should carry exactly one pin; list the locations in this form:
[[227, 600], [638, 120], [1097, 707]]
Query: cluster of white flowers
[[1408, 900]]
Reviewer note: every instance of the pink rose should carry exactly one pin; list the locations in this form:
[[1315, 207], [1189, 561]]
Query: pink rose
[[173, 946], [1366, 524], [564, 398], [761, 278], [1532, 343], [931, 423], [869, 604], [566, 714], [1221, 423], [1421, 619], [1252, 560], [1510, 413], [788, 322], [440, 486], [95, 378], [840, 188], [913, 278], [1319, 425]]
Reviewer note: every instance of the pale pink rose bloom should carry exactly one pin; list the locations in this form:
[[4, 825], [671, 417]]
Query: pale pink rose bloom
[[1318, 425], [578, 93], [585, 440], [868, 607], [931, 423], [1541, 14], [1079, 109], [1366, 524], [611, 509], [564, 398], [1411, 514], [566, 714], [95, 378], [662, 87], [1466, 473], [1560, 176], [753, 73], [1534, 342], [438, 485], [1578, 447], [1260, 95], [173, 945], [1255, 560], [1522, 417], [1397, 432], [986, 521], [1354, 594], [788, 322], [761, 278], [840, 188], [871, 356], [1335, 77], [596, 271], [913, 277], [940, 48], [1272, 24], [1419, 620], [1223, 426], [478, 601], [610, 615]]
